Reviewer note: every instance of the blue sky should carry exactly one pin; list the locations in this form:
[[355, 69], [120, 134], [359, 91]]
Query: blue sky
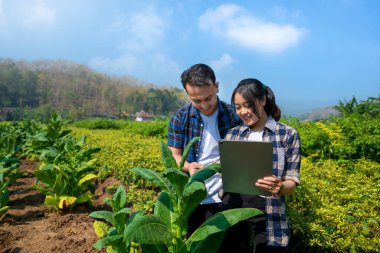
[[311, 53]]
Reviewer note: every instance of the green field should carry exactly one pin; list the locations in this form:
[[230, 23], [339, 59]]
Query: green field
[[336, 208]]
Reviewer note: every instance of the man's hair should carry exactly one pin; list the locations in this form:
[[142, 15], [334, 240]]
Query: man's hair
[[198, 75]]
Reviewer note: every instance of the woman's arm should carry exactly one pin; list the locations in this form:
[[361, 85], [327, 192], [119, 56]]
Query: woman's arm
[[276, 186]]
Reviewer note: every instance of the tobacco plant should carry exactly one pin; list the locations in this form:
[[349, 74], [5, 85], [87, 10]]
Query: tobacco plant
[[113, 237], [166, 229], [41, 139], [67, 174], [8, 175]]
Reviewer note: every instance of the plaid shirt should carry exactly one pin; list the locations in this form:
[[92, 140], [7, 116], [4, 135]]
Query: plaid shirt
[[186, 123], [286, 165]]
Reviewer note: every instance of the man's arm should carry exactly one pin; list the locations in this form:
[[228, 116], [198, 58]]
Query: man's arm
[[190, 168]]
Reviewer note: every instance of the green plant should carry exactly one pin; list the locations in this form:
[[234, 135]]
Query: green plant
[[100, 123], [8, 175], [112, 237], [335, 208], [166, 229], [50, 137], [68, 179]]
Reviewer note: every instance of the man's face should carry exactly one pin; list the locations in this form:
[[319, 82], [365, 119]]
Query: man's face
[[203, 98]]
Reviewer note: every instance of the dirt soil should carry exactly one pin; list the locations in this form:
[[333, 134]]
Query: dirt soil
[[30, 227]]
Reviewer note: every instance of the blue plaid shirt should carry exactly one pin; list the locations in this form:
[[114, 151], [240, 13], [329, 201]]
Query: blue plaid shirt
[[286, 165], [186, 123]]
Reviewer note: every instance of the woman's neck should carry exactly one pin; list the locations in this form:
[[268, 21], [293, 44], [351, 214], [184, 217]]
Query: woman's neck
[[259, 126]]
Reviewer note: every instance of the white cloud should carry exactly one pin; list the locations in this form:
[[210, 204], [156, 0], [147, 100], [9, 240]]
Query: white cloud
[[143, 30], [40, 15], [224, 61], [233, 23], [140, 41]]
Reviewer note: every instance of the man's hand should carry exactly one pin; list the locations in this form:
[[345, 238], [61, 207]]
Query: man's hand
[[191, 168]]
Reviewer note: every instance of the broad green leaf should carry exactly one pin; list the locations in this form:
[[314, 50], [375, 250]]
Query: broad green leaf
[[49, 153], [110, 203], [154, 177], [45, 175], [91, 162], [86, 178], [220, 222], [187, 150], [150, 248], [3, 210], [4, 197], [120, 198], [41, 189], [83, 198], [121, 219], [133, 216], [176, 178], [64, 133], [66, 201], [105, 215], [205, 173], [52, 201], [193, 194], [109, 240], [164, 208], [148, 229], [167, 157], [59, 185], [2, 174], [61, 170], [100, 228], [210, 244]]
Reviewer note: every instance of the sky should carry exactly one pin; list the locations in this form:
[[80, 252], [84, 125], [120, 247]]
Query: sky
[[313, 54]]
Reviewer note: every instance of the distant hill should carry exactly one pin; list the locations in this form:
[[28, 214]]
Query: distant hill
[[318, 113], [78, 91]]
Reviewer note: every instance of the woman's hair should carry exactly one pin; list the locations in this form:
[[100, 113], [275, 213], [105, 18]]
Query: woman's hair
[[252, 89], [198, 75]]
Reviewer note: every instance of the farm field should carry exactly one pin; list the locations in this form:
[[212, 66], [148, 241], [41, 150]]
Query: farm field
[[334, 209], [29, 226]]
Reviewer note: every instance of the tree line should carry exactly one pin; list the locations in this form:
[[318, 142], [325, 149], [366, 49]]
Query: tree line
[[75, 89]]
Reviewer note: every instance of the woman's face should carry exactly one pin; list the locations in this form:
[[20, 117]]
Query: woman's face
[[246, 114]]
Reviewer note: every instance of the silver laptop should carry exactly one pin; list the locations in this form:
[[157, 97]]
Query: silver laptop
[[243, 162]]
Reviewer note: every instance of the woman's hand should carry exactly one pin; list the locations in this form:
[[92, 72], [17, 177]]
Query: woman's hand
[[271, 184]]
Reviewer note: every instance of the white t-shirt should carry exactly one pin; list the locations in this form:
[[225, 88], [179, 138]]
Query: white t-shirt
[[209, 153], [256, 135]]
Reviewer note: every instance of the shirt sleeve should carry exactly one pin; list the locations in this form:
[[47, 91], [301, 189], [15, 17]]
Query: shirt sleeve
[[175, 132], [293, 157]]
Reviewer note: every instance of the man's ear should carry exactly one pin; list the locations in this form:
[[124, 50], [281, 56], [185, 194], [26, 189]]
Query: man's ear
[[217, 86]]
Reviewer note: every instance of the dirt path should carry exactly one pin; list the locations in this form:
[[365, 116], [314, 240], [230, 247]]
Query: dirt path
[[29, 227]]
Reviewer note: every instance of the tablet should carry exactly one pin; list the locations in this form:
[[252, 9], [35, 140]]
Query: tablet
[[242, 163]]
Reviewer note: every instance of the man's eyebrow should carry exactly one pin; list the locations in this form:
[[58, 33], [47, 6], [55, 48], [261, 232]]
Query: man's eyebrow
[[209, 96], [197, 99]]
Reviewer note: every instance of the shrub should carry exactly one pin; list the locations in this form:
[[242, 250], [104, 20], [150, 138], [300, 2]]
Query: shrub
[[336, 209]]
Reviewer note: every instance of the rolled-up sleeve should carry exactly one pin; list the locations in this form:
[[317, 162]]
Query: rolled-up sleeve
[[293, 157]]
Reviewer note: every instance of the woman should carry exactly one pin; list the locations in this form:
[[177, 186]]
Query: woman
[[255, 104]]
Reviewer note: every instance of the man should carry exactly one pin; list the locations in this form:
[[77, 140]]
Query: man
[[206, 117]]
